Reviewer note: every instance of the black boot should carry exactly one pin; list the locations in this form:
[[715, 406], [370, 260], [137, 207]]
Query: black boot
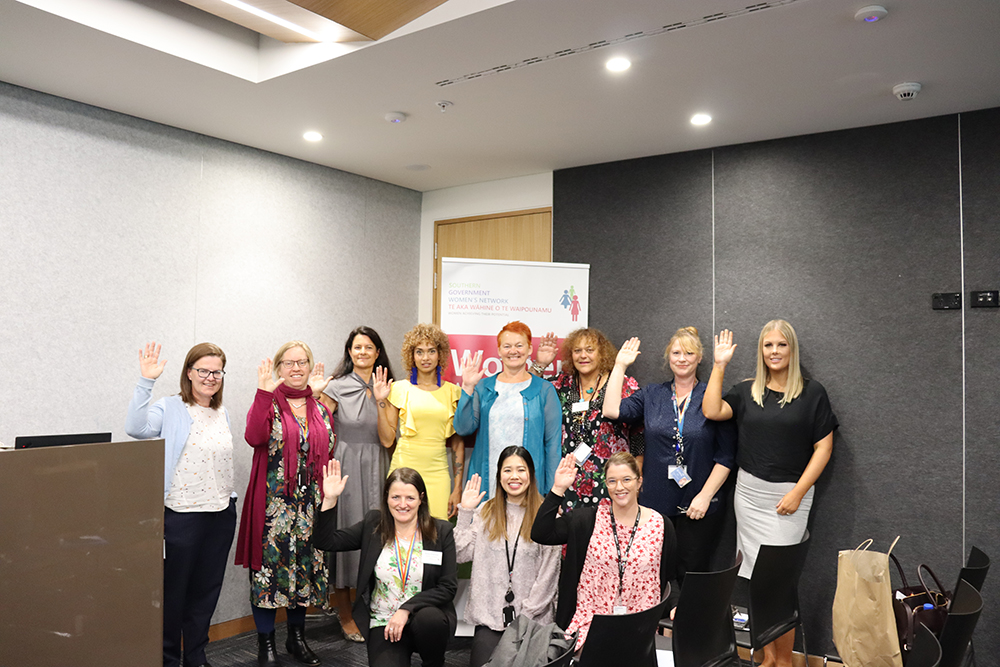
[[267, 650], [296, 645]]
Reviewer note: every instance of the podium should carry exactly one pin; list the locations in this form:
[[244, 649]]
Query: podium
[[81, 555]]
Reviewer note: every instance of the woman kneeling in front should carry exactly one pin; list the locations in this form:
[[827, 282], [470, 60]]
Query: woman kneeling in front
[[511, 574], [619, 555], [407, 580]]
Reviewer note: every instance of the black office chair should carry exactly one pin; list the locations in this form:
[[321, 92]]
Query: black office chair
[[975, 571], [926, 651], [774, 595], [963, 615], [703, 634], [627, 639]]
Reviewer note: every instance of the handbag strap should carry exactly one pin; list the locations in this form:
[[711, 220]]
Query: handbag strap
[[899, 568], [940, 589]]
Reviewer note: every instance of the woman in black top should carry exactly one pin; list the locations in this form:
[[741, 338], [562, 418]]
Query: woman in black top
[[785, 440]]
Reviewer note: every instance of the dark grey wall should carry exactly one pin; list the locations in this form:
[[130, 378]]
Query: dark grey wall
[[846, 235]]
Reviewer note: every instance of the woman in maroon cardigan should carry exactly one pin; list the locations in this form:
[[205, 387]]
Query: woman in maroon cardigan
[[292, 437]]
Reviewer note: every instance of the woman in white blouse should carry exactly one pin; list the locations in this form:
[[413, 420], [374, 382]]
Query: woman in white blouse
[[511, 575], [199, 503]]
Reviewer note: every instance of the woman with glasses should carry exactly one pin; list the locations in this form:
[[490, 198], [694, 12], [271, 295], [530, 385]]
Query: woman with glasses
[[513, 407], [688, 457], [292, 436], [199, 514], [786, 427], [619, 555]]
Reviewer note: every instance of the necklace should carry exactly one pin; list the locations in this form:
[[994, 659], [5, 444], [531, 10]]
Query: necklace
[[297, 406], [596, 384]]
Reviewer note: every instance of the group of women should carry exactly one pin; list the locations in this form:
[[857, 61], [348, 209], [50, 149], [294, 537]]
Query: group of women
[[560, 462]]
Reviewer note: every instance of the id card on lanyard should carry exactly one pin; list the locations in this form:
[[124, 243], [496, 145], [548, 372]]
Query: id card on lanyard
[[678, 471], [619, 606]]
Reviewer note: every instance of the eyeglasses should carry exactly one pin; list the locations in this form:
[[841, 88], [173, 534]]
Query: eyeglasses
[[624, 481], [204, 373], [292, 363]]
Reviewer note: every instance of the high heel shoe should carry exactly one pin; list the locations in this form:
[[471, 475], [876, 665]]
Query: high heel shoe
[[296, 645]]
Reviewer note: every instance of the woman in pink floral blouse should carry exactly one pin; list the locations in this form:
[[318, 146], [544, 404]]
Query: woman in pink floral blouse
[[588, 358]]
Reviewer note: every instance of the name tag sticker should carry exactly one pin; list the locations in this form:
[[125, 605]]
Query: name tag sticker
[[581, 453], [432, 558], [581, 406]]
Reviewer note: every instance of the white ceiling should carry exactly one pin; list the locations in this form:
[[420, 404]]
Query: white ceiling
[[797, 67]]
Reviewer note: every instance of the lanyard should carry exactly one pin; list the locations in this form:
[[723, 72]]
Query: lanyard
[[618, 546], [679, 423], [404, 570], [510, 559]]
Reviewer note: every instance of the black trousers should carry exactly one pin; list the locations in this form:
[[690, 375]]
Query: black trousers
[[697, 541], [427, 633], [197, 550], [483, 644]]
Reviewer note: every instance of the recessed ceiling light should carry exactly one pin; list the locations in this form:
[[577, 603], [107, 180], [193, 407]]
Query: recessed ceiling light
[[871, 14], [267, 16], [618, 64], [701, 119], [312, 135], [395, 117]]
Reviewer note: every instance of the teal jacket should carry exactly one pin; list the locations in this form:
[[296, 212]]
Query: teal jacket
[[542, 428]]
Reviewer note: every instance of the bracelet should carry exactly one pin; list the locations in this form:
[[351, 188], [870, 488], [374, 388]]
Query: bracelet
[[538, 367]]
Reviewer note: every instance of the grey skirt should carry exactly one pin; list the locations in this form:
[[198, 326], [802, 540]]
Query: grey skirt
[[758, 521]]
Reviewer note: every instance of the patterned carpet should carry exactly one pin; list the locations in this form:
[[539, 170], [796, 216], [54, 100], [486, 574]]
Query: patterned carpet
[[325, 638]]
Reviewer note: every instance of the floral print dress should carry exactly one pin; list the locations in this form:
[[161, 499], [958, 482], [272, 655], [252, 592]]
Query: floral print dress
[[598, 589], [292, 572], [604, 436]]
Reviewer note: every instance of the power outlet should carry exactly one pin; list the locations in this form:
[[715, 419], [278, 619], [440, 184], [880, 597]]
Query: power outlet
[[987, 299], [946, 301]]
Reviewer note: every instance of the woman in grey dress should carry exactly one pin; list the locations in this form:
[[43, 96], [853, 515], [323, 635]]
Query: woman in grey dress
[[359, 450]]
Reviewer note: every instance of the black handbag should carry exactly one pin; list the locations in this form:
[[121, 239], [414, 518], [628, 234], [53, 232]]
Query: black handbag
[[913, 605]]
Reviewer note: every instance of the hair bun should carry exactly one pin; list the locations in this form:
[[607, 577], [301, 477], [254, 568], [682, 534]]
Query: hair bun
[[691, 330]]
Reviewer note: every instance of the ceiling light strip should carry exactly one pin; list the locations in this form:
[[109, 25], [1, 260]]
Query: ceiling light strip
[[267, 16], [593, 46]]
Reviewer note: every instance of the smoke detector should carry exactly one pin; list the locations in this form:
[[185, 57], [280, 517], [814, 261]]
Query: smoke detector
[[906, 91], [443, 105], [395, 117], [871, 14]]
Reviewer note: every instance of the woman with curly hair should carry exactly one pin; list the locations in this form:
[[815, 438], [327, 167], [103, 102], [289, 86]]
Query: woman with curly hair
[[423, 406], [588, 359]]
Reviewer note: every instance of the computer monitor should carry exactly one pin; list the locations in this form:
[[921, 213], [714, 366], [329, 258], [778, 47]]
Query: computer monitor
[[26, 441]]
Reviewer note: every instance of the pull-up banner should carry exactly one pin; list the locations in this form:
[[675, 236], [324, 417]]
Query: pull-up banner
[[480, 296]]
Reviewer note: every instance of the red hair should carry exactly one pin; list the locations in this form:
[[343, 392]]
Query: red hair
[[515, 327]]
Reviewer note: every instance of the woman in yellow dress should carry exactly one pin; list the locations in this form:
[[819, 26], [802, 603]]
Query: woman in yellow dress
[[424, 406]]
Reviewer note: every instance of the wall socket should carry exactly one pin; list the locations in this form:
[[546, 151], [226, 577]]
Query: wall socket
[[946, 301], [987, 299]]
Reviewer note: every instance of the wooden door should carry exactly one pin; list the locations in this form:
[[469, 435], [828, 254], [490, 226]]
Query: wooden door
[[524, 235]]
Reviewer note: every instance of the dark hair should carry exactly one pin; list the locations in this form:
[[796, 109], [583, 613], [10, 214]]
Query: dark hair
[[194, 354], [346, 366], [387, 526], [494, 512]]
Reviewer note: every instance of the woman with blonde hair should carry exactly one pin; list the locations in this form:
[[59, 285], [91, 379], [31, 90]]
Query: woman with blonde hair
[[582, 385], [688, 457], [785, 440], [292, 436], [423, 406], [511, 574]]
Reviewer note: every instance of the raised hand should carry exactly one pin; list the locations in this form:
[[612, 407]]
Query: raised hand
[[565, 474], [471, 371], [724, 347], [548, 347], [629, 352], [316, 380], [472, 496], [265, 378], [333, 483], [381, 384], [149, 361]]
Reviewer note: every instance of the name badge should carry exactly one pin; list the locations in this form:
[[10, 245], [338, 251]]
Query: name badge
[[679, 474], [581, 406], [432, 557], [619, 610], [581, 453]]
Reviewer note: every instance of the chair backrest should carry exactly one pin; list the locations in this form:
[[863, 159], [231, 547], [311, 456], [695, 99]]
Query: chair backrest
[[703, 634], [963, 614], [628, 639], [975, 569], [926, 651], [774, 591]]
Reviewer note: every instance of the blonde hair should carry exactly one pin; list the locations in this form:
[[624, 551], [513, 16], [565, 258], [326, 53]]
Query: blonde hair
[[794, 383], [431, 334], [689, 340], [283, 350]]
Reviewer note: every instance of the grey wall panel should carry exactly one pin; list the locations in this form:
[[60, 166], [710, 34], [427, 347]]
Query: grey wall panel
[[981, 207], [846, 235], [117, 231]]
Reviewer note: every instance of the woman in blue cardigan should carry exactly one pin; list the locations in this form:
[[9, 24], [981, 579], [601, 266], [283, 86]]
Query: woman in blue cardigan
[[510, 408]]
